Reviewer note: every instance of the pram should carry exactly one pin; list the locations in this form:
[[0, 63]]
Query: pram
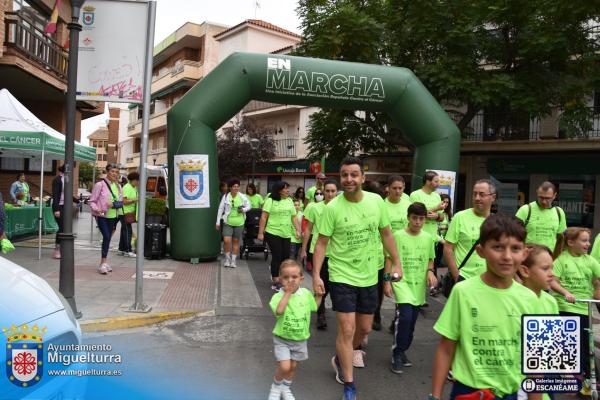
[[250, 242]]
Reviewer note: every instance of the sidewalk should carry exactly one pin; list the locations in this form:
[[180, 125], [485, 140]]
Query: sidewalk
[[169, 286]]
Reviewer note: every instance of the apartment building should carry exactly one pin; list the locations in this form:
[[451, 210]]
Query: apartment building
[[180, 60], [99, 140], [33, 67]]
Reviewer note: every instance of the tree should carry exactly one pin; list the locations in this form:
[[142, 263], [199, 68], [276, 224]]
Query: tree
[[86, 171], [234, 153], [507, 56]]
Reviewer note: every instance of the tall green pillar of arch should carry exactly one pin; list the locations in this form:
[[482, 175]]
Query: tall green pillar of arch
[[242, 77]]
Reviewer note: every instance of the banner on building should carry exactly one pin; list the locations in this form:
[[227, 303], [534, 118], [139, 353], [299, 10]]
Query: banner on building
[[191, 181], [447, 184], [111, 51], [571, 201]]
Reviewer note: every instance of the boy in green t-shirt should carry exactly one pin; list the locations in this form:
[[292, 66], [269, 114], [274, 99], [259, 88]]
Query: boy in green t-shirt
[[292, 307], [481, 322], [416, 249]]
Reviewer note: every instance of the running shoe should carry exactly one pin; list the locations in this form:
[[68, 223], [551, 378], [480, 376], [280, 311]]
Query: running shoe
[[396, 365], [405, 361], [286, 393], [349, 393], [275, 393], [232, 265], [226, 262], [339, 376], [321, 322], [56, 254], [102, 269], [130, 254], [108, 268], [358, 360]]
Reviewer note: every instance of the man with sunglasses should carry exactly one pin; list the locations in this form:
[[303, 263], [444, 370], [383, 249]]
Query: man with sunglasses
[[310, 194], [543, 221]]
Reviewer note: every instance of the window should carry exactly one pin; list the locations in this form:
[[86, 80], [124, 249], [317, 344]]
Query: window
[[576, 198], [12, 164], [36, 163]]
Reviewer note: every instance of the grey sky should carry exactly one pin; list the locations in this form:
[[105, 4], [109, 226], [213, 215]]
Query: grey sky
[[171, 14]]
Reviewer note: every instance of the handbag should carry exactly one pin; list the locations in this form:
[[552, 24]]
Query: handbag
[[448, 281], [129, 218]]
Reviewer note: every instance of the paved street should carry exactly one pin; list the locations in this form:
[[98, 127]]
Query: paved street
[[233, 351]]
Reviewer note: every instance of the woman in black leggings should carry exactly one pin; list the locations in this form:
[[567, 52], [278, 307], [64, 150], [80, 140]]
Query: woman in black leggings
[[274, 227]]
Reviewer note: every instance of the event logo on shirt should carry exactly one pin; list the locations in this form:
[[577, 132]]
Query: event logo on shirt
[[24, 354]]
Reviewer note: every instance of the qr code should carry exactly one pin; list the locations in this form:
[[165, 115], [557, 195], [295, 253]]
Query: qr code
[[551, 344]]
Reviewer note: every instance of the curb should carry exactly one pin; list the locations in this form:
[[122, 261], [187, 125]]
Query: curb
[[135, 321]]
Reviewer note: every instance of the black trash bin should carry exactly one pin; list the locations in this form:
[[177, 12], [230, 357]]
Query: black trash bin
[[155, 241]]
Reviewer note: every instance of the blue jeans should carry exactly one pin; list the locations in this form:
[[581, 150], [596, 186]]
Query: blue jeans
[[106, 226], [405, 321]]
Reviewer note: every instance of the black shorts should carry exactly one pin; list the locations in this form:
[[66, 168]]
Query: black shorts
[[347, 298]]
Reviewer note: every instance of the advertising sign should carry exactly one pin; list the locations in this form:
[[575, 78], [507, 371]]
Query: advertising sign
[[447, 183], [191, 181], [571, 201], [111, 51]]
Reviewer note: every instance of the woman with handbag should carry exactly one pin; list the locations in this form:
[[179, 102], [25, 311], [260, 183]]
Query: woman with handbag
[[106, 203], [130, 199]]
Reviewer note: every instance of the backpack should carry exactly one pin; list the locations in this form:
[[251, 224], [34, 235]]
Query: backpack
[[529, 213]]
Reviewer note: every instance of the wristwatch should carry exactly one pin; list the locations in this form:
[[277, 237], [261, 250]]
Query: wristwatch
[[386, 277]]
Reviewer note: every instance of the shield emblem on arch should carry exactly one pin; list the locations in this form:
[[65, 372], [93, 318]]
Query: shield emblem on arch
[[191, 184], [24, 366], [88, 18]]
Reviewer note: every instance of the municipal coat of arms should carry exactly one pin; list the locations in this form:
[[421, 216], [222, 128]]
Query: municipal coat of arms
[[24, 354], [191, 179]]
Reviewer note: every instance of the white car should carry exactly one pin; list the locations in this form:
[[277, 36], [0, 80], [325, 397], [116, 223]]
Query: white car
[[27, 299]]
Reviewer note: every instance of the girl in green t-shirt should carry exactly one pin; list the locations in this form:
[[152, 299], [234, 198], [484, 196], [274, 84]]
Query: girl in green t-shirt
[[536, 274], [575, 272]]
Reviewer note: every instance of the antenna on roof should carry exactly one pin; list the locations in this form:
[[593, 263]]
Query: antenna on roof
[[256, 7]]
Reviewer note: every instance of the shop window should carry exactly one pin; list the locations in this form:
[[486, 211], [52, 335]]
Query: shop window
[[36, 163], [576, 196]]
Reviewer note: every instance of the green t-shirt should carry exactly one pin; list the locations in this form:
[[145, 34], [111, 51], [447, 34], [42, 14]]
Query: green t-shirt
[[431, 201], [575, 275], [486, 324], [293, 229], [415, 253], [313, 214], [235, 218], [548, 304], [114, 196], [354, 239], [543, 225], [294, 323], [596, 249], [310, 193], [463, 232], [132, 194], [255, 200], [280, 214], [398, 212]]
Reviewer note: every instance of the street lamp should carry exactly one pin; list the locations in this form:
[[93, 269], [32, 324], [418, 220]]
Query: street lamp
[[254, 146], [66, 282]]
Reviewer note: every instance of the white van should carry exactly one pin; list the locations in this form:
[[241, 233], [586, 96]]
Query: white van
[[157, 181]]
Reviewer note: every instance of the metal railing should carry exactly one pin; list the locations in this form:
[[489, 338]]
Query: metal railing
[[286, 148], [35, 44]]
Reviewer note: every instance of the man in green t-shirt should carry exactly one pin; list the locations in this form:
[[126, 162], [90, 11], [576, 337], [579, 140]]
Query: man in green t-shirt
[[543, 221], [432, 200], [417, 251], [480, 324], [397, 203], [353, 225], [310, 193], [463, 232]]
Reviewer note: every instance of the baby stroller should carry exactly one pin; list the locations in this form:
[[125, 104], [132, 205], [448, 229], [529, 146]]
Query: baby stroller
[[250, 242]]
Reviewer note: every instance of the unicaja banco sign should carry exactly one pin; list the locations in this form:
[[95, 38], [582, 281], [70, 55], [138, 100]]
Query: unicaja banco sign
[[283, 79]]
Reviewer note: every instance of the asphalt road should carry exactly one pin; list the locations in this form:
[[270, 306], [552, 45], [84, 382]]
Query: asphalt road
[[229, 355]]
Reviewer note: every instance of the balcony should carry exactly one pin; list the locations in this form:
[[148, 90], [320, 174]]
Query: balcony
[[256, 105], [286, 148], [34, 44], [185, 70], [157, 121], [486, 127]]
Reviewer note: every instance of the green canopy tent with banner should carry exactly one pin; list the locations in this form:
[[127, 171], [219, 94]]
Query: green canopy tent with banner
[[23, 135]]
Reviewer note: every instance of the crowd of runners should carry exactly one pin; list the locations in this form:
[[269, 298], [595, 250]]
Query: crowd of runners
[[362, 241]]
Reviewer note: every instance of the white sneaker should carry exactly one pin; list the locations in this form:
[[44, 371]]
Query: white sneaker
[[275, 393], [108, 268], [286, 393], [103, 269], [131, 254], [357, 359], [226, 262], [232, 265]]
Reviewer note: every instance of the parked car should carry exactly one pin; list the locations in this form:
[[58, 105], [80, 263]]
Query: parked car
[[27, 299]]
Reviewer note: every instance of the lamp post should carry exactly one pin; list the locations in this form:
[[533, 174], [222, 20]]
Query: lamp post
[[254, 146], [66, 283]]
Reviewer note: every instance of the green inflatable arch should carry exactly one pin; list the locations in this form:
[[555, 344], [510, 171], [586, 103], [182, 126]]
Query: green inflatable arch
[[241, 77]]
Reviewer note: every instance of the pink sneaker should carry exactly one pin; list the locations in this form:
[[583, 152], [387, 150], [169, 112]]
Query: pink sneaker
[[103, 269], [56, 254], [357, 359]]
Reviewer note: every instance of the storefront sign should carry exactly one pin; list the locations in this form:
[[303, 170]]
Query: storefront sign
[[571, 201], [191, 181], [447, 184]]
